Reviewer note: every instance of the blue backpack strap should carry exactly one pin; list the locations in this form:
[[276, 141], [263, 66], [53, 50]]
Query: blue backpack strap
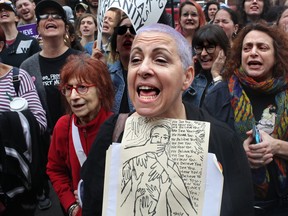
[[16, 79]]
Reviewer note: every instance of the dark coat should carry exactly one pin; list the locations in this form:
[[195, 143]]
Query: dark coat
[[237, 197]]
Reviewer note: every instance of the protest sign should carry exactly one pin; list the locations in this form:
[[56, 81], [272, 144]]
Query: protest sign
[[140, 12], [160, 167], [29, 29]]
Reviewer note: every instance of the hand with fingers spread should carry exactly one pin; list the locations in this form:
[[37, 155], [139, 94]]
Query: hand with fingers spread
[[153, 191], [145, 205], [156, 171], [141, 160]]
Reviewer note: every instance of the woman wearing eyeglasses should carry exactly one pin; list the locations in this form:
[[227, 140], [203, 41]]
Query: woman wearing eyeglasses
[[44, 68], [90, 98], [118, 59], [211, 47]]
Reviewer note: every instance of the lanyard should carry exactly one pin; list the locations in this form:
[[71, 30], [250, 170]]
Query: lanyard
[[77, 144]]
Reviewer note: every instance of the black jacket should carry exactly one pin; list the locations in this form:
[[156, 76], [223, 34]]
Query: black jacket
[[237, 192], [217, 103], [18, 172]]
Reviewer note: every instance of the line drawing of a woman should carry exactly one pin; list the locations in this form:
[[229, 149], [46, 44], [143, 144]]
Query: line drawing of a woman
[[152, 183]]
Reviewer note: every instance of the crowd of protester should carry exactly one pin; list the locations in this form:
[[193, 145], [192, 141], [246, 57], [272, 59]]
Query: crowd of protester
[[233, 62]]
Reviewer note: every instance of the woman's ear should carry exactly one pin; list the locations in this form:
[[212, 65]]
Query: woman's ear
[[189, 77], [17, 18], [66, 30], [236, 28]]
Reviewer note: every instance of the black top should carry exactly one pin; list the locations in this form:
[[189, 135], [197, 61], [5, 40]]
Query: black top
[[257, 102], [124, 107], [237, 197], [22, 48], [50, 70]]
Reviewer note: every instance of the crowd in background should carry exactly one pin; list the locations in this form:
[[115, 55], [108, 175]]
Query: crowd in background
[[239, 57]]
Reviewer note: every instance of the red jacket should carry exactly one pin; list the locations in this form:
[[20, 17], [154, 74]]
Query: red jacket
[[63, 166]]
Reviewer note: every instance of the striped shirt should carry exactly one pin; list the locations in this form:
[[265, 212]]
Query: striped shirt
[[27, 91]]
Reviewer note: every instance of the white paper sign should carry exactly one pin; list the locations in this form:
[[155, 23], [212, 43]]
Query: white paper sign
[[140, 12], [162, 166]]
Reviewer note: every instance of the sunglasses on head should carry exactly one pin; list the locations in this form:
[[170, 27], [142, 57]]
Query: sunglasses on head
[[123, 29], [53, 15]]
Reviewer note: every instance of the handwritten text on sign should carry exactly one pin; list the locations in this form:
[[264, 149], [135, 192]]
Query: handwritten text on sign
[[140, 12]]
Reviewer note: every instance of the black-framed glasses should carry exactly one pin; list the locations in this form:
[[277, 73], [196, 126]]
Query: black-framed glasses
[[81, 89], [121, 30], [209, 49], [53, 15]]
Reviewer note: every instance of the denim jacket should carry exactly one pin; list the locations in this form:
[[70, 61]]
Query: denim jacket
[[216, 99], [116, 73], [196, 91]]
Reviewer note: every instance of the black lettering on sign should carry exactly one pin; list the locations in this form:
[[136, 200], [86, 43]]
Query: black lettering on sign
[[127, 6], [116, 3], [161, 3]]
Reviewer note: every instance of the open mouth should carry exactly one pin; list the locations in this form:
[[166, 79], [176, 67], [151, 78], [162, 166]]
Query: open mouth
[[127, 44], [251, 63], [86, 30], [50, 25], [77, 106], [254, 64], [25, 12], [105, 28], [148, 92], [254, 8], [4, 15]]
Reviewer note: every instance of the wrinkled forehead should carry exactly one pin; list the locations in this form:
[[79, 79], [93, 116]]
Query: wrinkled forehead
[[258, 36], [154, 38]]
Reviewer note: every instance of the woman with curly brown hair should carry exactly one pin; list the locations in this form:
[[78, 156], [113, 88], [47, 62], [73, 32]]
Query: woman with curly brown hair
[[257, 97]]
